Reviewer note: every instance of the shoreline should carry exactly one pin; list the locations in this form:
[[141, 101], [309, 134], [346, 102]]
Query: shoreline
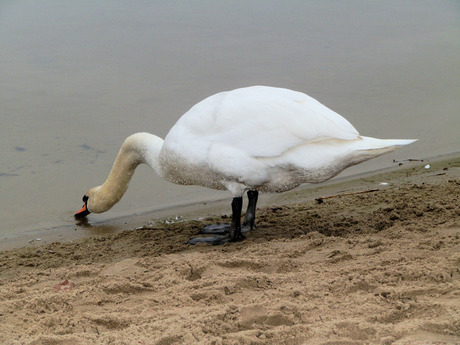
[[380, 267], [78, 230]]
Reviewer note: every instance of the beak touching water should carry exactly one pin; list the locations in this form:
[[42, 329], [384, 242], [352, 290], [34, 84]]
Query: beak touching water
[[83, 212]]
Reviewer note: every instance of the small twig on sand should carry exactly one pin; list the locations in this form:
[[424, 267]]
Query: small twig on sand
[[321, 199], [408, 160]]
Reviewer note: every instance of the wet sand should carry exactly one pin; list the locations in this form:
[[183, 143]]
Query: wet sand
[[378, 262]]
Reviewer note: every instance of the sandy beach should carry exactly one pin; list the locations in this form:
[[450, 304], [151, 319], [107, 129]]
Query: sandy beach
[[375, 261]]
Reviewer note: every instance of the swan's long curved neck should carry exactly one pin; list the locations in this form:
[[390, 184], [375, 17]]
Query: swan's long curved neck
[[137, 149]]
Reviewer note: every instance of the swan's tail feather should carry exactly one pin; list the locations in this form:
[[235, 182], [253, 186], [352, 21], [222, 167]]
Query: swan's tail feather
[[385, 145], [368, 148]]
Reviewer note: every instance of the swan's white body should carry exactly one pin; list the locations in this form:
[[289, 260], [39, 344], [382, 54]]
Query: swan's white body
[[256, 138]]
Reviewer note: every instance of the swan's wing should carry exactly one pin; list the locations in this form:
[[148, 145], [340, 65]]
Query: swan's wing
[[261, 121]]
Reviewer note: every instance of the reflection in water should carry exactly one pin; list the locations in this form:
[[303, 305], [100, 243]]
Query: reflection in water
[[83, 222], [97, 229]]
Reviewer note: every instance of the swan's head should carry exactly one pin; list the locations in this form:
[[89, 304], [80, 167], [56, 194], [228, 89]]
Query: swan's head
[[95, 201]]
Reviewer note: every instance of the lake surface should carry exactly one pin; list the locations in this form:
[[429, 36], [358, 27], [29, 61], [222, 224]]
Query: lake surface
[[78, 77]]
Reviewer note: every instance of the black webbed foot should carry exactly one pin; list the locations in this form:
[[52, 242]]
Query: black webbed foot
[[217, 229], [220, 232], [214, 240], [224, 228]]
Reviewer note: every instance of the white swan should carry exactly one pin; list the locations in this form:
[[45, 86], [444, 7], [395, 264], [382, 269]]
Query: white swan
[[250, 139]]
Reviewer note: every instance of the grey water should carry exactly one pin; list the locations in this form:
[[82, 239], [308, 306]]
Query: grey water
[[78, 77]]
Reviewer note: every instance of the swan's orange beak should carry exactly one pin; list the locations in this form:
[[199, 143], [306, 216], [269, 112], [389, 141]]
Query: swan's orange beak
[[83, 212]]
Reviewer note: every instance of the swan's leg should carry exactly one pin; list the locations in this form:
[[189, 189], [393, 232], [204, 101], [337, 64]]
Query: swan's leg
[[250, 216], [235, 229], [248, 223], [231, 232]]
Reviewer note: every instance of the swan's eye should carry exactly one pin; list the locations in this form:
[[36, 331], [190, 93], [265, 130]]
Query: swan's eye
[[85, 198]]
